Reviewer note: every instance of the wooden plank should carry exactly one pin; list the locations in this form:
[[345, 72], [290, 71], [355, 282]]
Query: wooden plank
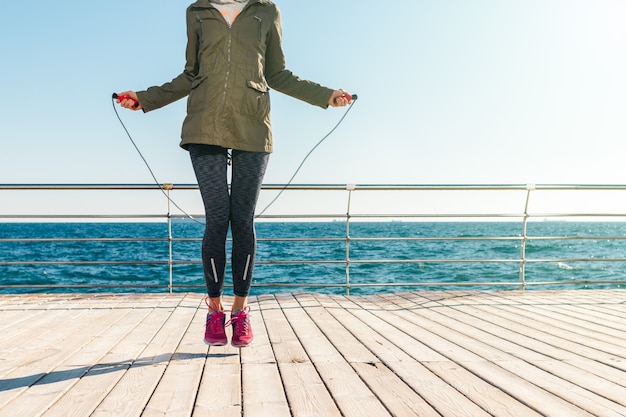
[[57, 382], [396, 396], [400, 400], [583, 320], [469, 353], [131, 398], [533, 348], [285, 343], [173, 396], [554, 330], [466, 352], [352, 396], [307, 393], [31, 365], [42, 331], [220, 391], [561, 388], [446, 399], [96, 384], [487, 332], [439, 394], [503, 334], [488, 396], [219, 394], [579, 400], [15, 321], [350, 348], [261, 351], [390, 335], [263, 395], [304, 389], [566, 340], [355, 339]]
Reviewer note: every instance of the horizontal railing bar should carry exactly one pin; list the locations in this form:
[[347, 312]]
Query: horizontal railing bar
[[320, 262], [542, 238], [444, 284], [321, 216], [484, 215], [448, 284], [430, 239], [557, 215], [391, 216], [419, 261], [156, 262], [486, 238], [279, 187], [84, 286], [339, 187], [83, 216], [555, 260], [337, 285], [410, 261], [321, 239], [82, 240], [86, 263], [316, 261], [54, 187]]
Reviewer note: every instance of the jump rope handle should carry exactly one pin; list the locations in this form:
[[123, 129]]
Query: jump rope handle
[[125, 97], [347, 97]]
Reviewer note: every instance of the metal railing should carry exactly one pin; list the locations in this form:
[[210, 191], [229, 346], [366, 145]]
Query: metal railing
[[408, 203]]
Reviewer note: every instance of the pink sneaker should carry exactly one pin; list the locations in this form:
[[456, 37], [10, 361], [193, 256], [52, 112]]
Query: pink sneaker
[[242, 331], [214, 333]]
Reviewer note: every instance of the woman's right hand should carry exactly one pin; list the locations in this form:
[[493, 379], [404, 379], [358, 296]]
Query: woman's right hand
[[340, 98]]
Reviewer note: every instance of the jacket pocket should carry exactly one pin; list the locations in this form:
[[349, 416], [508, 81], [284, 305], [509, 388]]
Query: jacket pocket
[[257, 100], [196, 99]]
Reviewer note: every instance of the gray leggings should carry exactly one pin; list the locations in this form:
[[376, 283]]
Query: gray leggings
[[222, 208]]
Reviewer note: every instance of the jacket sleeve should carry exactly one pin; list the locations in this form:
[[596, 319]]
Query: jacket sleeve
[[283, 80], [158, 96]]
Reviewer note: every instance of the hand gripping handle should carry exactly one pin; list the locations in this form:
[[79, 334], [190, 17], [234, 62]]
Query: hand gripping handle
[[125, 97]]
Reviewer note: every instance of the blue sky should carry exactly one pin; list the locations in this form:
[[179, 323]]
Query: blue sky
[[451, 91]]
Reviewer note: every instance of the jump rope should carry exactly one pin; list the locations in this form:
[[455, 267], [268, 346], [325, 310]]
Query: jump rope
[[351, 98]]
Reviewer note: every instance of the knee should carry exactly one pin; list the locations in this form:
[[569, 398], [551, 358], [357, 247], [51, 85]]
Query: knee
[[241, 223]]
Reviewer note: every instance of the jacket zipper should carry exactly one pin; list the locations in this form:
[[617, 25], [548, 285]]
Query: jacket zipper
[[229, 63], [260, 26], [227, 78]]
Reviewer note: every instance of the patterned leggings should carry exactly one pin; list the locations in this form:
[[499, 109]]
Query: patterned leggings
[[222, 208]]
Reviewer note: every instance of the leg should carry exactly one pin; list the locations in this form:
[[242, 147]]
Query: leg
[[239, 303], [210, 165], [248, 171]]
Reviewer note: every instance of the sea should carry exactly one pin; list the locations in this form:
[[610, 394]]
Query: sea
[[312, 256]]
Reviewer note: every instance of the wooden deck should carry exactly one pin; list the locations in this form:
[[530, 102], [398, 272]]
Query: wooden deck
[[534, 353]]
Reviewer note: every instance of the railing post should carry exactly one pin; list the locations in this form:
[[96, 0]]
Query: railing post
[[522, 267], [170, 238], [350, 188]]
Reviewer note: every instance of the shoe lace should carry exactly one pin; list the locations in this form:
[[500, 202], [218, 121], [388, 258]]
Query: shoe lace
[[213, 306], [214, 318], [214, 322], [240, 319]]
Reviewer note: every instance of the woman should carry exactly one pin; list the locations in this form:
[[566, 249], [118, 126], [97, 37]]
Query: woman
[[234, 54]]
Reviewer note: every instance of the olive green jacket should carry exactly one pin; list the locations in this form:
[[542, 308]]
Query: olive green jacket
[[227, 77]]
